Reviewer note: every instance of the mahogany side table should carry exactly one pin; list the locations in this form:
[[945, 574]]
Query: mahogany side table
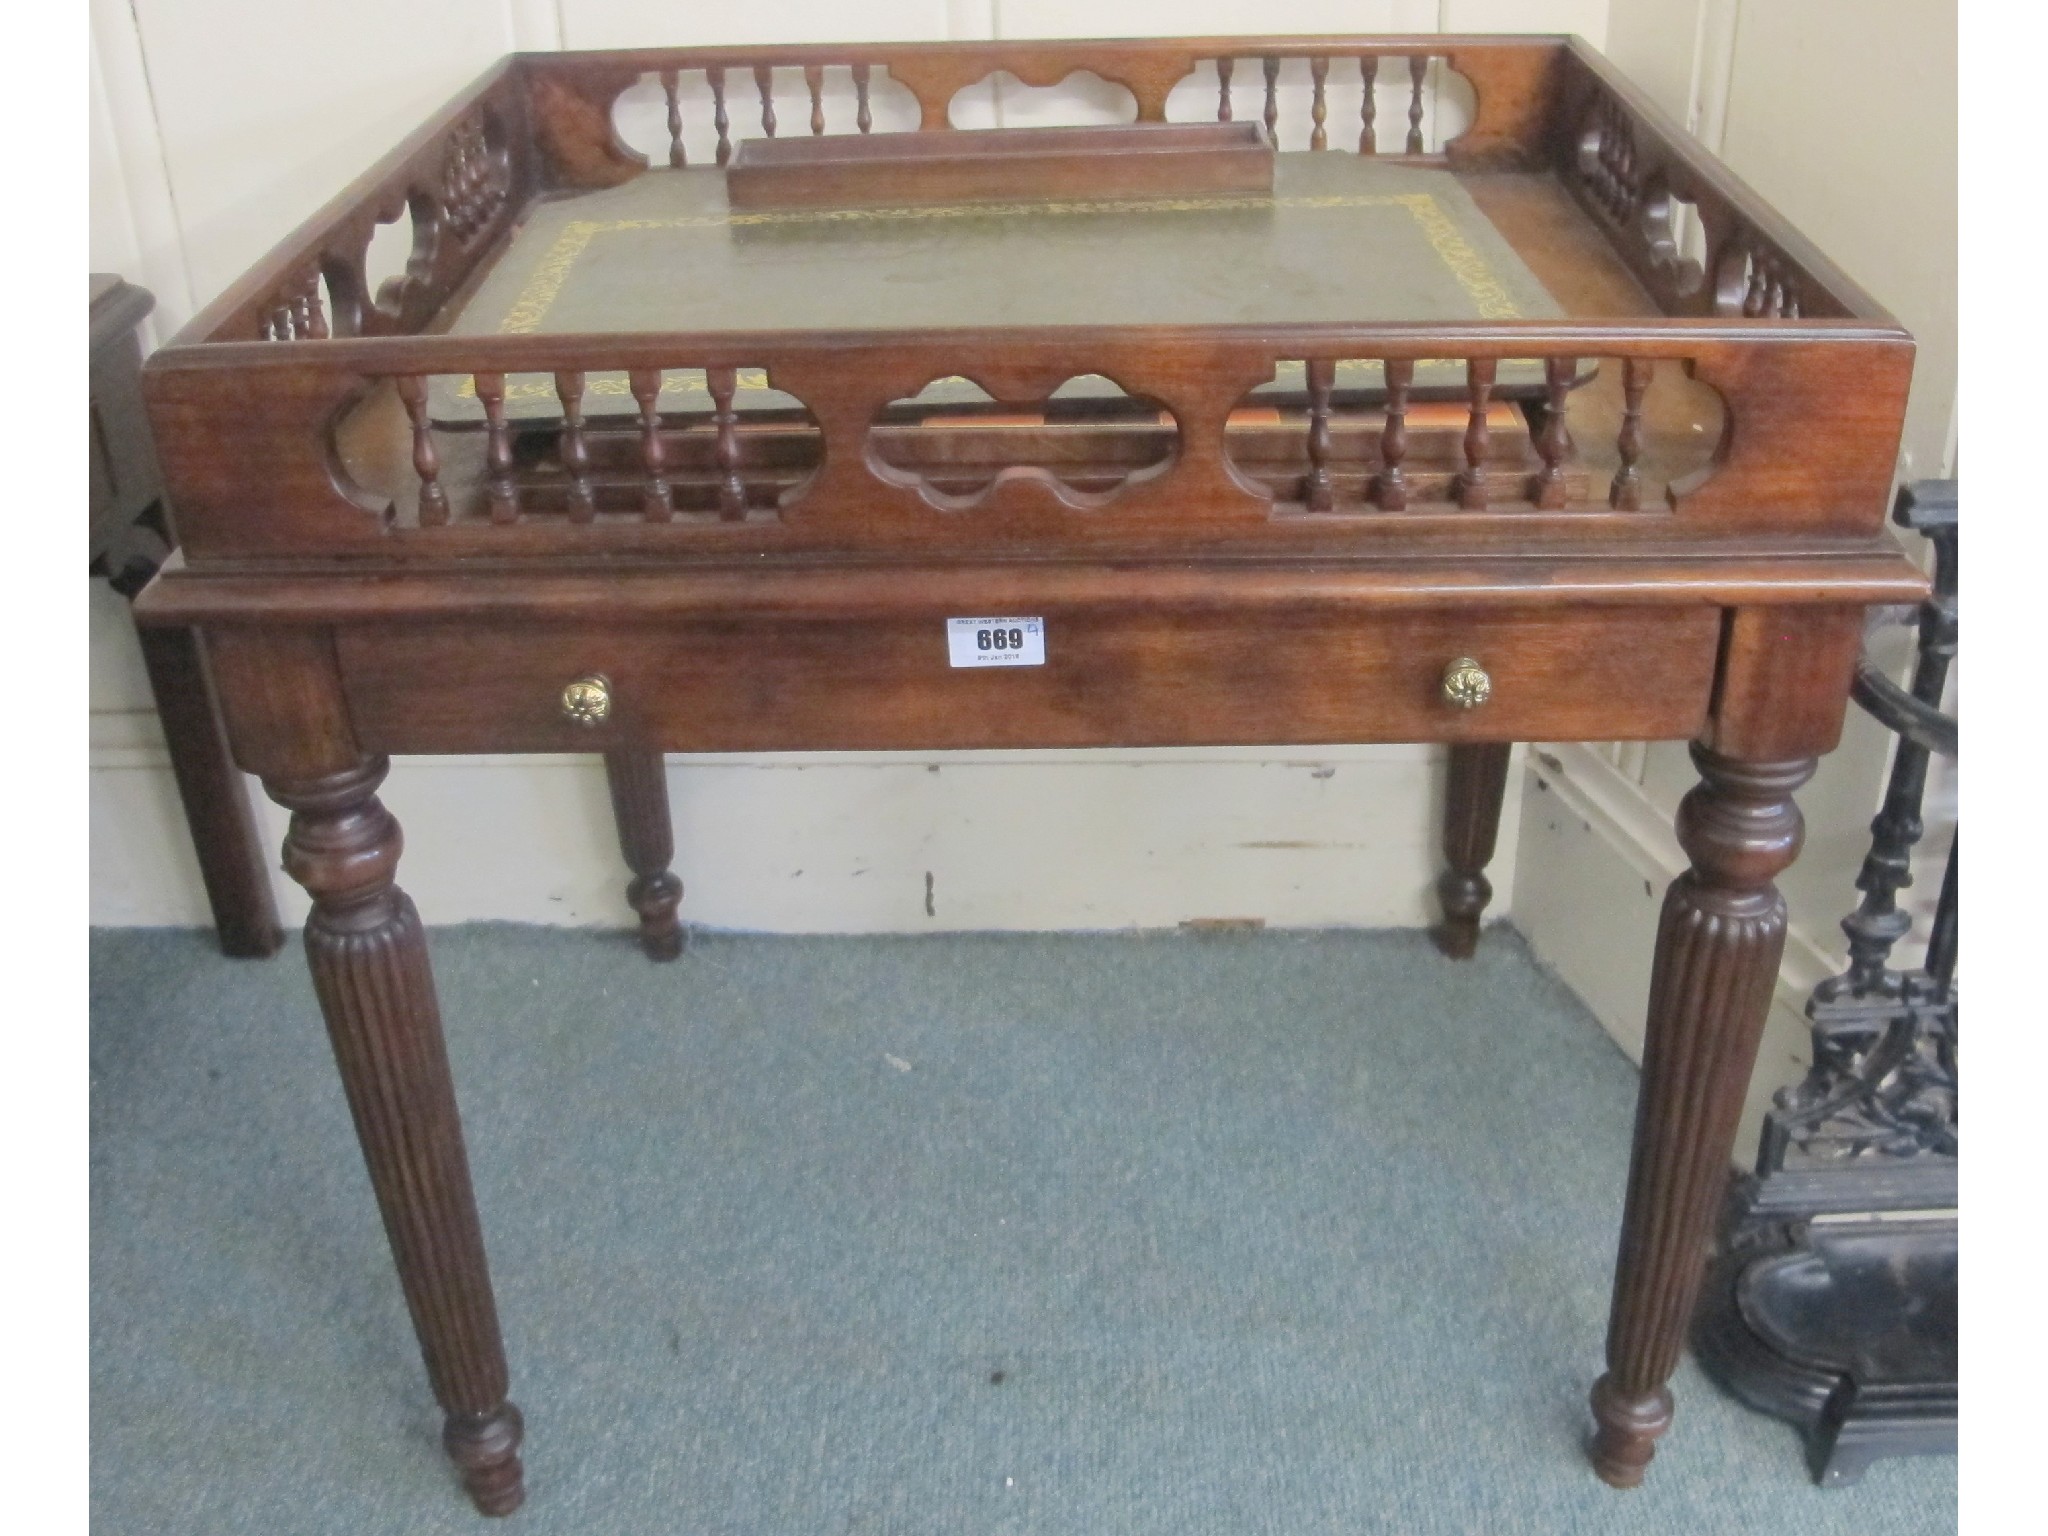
[[615, 467]]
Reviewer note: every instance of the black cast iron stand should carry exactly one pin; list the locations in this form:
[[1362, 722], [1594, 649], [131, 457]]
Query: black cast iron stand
[[1832, 1302]]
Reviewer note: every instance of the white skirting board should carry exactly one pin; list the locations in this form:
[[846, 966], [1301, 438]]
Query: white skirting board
[[869, 843]]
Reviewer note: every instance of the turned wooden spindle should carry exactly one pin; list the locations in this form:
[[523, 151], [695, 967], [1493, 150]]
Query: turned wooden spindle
[[1224, 69], [1418, 71], [459, 183], [1390, 485], [575, 450], [1719, 942], [426, 462], [1471, 486], [1272, 67], [732, 490], [501, 490], [764, 81], [309, 319], [814, 81], [1611, 159], [1368, 73], [1473, 792], [1319, 103], [1547, 489], [1613, 181], [863, 117], [1753, 295], [638, 780], [1626, 494], [469, 158], [368, 955], [657, 504], [316, 311], [1598, 173], [1590, 169], [1319, 494], [719, 120], [671, 89]]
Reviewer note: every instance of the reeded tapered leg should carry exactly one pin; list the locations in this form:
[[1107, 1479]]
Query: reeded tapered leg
[[1473, 792], [368, 956], [1718, 946], [639, 785]]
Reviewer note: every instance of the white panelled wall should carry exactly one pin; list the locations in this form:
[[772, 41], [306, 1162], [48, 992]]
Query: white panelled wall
[[204, 153]]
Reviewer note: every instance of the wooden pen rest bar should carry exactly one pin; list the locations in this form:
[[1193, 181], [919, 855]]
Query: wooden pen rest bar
[[1001, 165]]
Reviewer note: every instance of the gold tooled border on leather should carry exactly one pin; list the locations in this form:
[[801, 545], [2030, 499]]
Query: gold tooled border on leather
[[1465, 265]]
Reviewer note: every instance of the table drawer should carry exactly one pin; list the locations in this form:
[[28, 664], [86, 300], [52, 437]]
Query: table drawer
[[1110, 678]]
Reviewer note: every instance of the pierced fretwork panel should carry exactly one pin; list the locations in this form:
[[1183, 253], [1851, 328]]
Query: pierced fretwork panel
[[1673, 230], [397, 246], [710, 445], [1082, 99], [1322, 438], [391, 266], [1086, 441], [1365, 435], [475, 179]]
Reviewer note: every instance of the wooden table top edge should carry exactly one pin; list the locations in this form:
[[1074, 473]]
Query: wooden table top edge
[[825, 586]]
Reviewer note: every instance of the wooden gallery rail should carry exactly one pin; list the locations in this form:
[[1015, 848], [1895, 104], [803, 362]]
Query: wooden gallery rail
[[1659, 516]]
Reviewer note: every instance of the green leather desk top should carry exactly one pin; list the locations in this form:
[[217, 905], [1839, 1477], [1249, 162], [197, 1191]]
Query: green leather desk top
[[1341, 239]]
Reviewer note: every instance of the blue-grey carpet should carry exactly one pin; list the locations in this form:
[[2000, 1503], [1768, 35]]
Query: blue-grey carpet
[[1273, 1233]]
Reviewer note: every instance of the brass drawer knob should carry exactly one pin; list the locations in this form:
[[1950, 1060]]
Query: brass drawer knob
[[588, 700], [1465, 684]]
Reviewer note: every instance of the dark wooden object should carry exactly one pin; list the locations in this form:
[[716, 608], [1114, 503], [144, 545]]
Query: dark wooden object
[[125, 488], [1718, 945], [368, 955], [129, 544], [369, 585], [1002, 165], [639, 786], [1473, 791], [1847, 1327]]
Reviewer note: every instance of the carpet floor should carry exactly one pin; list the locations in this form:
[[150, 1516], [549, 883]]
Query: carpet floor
[[1267, 1233]]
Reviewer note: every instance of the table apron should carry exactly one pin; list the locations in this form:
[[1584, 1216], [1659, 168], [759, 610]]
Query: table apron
[[1110, 678]]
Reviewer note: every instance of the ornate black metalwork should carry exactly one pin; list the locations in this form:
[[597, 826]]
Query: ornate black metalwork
[[1883, 1082], [1824, 1306]]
